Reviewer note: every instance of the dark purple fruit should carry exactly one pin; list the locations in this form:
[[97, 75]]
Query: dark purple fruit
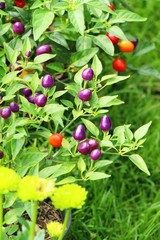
[[40, 100], [95, 154], [18, 28], [79, 132], [47, 81], [14, 107], [2, 5], [5, 112], [31, 99], [87, 74], [84, 148], [85, 94], [105, 123], [1, 154], [16, 67], [26, 92], [93, 143], [135, 42], [28, 53], [45, 48]]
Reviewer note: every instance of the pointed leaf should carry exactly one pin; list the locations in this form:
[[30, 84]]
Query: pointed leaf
[[104, 43], [91, 127], [139, 162], [42, 19], [76, 17], [142, 131]]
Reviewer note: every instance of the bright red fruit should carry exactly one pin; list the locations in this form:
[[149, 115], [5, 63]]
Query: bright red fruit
[[111, 6], [20, 3], [56, 139], [113, 38], [119, 65]]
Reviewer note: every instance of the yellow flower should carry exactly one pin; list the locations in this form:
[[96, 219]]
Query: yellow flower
[[35, 188], [54, 229], [9, 180], [69, 196]]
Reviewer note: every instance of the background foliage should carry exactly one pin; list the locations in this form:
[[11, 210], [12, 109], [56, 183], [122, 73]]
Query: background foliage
[[128, 203]]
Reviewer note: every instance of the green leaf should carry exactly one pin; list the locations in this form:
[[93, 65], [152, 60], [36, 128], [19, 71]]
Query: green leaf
[[36, 4], [126, 16], [96, 175], [76, 17], [139, 162], [12, 215], [60, 6], [43, 58], [116, 31], [101, 6], [28, 159], [16, 146], [4, 28], [81, 165], [66, 180], [26, 46], [63, 169], [101, 163], [58, 94], [48, 171], [42, 19], [96, 66], [81, 58], [142, 131], [106, 143], [27, 107], [9, 77], [91, 127], [83, 42], [10, 53], [13, 88], [58, 38], [104, 43], [115, 79], [106, 101]]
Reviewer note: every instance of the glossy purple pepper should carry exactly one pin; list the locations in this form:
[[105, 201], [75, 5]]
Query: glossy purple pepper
[[135, 42], [28, 53], [105, 123], [14, 107], [44, 48], [85, 94], [87, 74], [5, 112], [40, 100], [95, 154], [18, 28], [1, 154], [84, 148], [2, 5], [31, 99], [47, 81], [26, 92], [79, 132], [93, 143]]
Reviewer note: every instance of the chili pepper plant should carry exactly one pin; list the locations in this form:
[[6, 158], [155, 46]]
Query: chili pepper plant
[[58, 61]]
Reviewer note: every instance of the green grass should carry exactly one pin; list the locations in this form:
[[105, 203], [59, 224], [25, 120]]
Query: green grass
[[127, 206]]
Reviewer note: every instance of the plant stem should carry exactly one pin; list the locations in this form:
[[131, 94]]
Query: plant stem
[[1, 215], [34, 218], [67, 215]]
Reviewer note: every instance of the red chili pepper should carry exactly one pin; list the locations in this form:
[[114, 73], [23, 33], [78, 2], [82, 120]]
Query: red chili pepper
[[20, 3]]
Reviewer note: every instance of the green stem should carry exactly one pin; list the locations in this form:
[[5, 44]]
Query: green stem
[[70, 123], [34, 219], [1, 215], [66, 219]]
